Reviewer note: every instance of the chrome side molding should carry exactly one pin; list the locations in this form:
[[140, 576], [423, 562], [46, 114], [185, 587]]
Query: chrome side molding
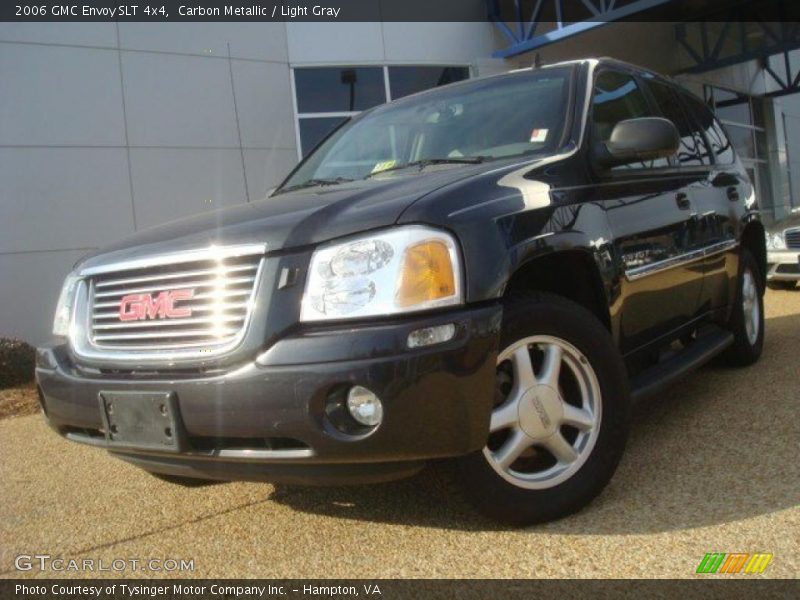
[[677, 261]]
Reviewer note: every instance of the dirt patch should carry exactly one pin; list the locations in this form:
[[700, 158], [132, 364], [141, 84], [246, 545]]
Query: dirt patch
[[17, 361], [17, 401]]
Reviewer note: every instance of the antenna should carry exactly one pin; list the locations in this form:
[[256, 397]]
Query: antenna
[[537, 61]]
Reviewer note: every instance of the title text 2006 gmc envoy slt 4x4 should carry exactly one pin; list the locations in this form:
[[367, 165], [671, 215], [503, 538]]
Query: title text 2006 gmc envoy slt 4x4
[[490, 271]]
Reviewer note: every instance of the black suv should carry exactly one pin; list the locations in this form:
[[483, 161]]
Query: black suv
[[490, 271]]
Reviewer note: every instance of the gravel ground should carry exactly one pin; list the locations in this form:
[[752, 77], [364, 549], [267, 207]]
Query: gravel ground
[[711, 466], [18, 400]]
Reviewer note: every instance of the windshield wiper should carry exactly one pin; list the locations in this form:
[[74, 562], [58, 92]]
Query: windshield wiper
[[316, 182], [467, 160]]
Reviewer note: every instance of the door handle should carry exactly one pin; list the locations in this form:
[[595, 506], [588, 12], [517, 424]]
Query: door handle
[[682, 200], [733, 194]]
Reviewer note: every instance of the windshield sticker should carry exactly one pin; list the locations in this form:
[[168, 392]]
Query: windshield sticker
[[383, 165], [538, 135]]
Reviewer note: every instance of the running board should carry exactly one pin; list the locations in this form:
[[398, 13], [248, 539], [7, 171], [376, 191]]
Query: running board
[[710, 342]]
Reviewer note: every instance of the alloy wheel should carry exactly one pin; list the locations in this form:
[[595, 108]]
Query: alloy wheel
[[750, 306], [547, 413]]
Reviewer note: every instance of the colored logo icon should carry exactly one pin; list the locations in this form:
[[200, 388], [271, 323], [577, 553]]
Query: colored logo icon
[[741, 562]]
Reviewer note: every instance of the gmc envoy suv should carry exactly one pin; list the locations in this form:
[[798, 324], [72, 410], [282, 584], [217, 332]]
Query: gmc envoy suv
[[488, 272]]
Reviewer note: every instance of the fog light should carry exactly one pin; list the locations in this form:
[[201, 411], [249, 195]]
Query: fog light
[[364, 406], [431, 335]]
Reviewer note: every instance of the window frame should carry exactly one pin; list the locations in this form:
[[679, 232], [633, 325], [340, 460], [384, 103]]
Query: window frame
[[349, 115]]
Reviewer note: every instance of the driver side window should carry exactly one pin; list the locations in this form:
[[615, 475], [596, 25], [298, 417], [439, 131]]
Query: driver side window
[[616, 97]]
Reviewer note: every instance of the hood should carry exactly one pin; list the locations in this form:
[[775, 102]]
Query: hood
[[292, 219], [793, 220]]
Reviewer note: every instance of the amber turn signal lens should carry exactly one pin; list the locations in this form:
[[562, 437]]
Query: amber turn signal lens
[[426, 275]]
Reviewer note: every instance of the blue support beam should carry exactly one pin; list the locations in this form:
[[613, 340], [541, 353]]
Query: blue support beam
[[525, 38], [776, 41]]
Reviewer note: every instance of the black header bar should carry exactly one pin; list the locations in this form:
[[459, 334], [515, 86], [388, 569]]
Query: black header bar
[[155, 11], [709, 588]]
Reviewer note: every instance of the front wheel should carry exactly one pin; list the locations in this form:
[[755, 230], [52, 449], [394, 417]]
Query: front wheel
[[747, 317], [560, 418]]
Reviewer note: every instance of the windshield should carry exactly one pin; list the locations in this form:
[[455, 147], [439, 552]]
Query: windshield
[[498, 117]]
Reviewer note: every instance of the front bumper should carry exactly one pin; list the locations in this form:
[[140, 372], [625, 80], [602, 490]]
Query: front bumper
[[783, 265], [266, 419]]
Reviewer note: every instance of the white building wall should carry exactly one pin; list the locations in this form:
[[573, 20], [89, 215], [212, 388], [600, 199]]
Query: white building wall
[[106, 129]]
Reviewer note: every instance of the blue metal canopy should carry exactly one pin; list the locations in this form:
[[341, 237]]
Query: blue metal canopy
[[711, 46], [524, 36]]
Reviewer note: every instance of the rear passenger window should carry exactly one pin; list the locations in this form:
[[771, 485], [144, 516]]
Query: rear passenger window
[[617, 98], [692, 150], [721, 146]]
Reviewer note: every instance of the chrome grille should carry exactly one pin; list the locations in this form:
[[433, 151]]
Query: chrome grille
[[792, 237], [200, 300]]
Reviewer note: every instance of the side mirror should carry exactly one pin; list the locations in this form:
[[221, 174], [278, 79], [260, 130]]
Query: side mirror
[[645, 138]]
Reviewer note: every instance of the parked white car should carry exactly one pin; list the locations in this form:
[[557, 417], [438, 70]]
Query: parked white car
[[783, 253]]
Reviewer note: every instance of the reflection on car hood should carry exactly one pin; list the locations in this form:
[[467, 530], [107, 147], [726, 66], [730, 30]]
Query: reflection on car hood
[[785, 223]]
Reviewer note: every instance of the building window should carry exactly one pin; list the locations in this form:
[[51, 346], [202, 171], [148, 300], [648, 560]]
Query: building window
[[404, 81], [743, 119], [322, 90], [326, 97], [314, 129]]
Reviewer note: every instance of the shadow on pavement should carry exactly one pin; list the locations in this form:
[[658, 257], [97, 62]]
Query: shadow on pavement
[[720, 446]]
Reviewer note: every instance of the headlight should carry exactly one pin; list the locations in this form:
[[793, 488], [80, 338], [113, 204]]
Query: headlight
[[775, 241], [66, 300], [393, 271]]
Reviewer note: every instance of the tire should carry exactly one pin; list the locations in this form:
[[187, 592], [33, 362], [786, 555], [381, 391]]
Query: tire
[[533, 492], [747, 344], [183, 481], [781, 285]]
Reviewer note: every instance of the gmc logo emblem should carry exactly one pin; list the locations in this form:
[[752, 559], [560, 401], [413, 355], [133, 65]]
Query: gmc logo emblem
[[138, 307]]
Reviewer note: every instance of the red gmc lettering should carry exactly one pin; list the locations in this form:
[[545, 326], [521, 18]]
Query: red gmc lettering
[[137, 307]]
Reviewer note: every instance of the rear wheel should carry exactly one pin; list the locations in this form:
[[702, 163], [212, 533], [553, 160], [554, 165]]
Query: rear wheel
[[561, 414], [747, 318]]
